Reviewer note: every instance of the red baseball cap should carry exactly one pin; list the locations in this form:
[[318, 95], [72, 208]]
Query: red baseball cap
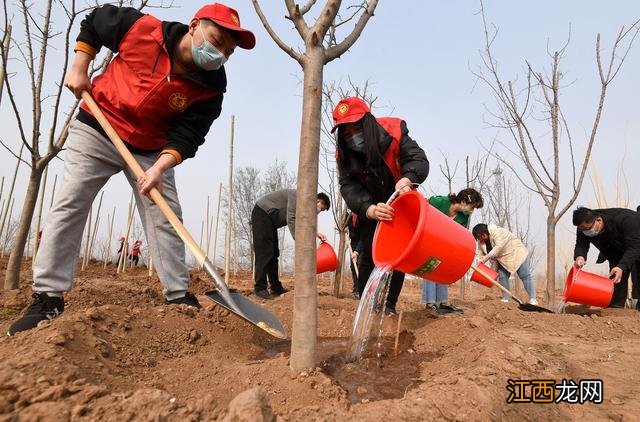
[[228, 18], [349, 110]]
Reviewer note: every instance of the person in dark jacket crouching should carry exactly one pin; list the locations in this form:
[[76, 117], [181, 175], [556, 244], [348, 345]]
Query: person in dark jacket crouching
[[375, 158], [616, 234]]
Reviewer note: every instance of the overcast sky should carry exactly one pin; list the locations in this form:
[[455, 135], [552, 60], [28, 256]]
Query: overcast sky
[[417, 55]]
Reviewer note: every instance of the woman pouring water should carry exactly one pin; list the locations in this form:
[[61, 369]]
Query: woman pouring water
[[458, 207], [375, 157]]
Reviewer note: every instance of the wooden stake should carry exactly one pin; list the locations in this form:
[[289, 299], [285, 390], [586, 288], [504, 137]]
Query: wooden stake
[[87, 239], [207, 230], [215, 236], [43, 189], [125, 245], [9, 200], [6, 240], [395, 347], [53, 190], [108, 248], [227, 243], [95, 228]]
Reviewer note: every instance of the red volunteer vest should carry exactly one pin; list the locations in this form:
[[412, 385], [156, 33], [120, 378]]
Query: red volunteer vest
[[391, 156], [138, 93]]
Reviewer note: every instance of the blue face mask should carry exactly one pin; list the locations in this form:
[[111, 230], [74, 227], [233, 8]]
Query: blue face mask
[[206, 56], [591, 232], [355, 142]]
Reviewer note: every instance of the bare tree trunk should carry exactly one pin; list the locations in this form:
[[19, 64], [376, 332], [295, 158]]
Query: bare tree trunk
[[342, 246], [6, 39], [551, 261], [303, 338], [12, 276]]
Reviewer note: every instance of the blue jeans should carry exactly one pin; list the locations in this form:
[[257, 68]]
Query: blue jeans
[[433, 292], [525, 274]]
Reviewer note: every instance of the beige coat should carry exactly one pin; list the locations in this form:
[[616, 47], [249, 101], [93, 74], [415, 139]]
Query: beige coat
[[508, 249]]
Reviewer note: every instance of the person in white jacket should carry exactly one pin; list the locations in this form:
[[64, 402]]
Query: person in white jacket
[[509, 252]]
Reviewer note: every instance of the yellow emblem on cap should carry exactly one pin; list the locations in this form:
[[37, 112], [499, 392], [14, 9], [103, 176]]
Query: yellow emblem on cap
[[178, 101], [235, 19], [343, 109]]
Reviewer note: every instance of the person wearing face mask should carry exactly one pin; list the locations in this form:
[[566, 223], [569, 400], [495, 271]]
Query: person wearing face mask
[[161, 92], [375, 157], [272, 211], [459, 208], [616, 234], [499, 244]]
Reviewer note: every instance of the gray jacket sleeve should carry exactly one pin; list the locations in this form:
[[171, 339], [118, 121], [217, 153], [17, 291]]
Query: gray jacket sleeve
[[291, 213]]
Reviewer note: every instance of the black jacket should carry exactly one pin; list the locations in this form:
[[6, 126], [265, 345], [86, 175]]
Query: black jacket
[[362, 186], [618, 243], [107, 26]]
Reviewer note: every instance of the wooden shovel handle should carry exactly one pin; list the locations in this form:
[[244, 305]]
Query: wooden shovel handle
[[154, 194], [495, 283]]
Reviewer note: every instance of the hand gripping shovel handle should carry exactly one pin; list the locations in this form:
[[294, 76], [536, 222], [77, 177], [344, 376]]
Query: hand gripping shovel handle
[[159, 200], [495, 283]]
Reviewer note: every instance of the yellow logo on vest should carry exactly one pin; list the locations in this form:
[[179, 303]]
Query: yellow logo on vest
[[343, 109], [178, 101]]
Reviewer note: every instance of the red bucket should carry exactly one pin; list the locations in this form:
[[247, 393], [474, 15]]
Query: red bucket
[[326, 259], [422, 241], [479, 278], [587, 288]]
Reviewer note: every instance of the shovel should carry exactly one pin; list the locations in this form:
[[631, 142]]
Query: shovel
[[521, 305], [234, 302]]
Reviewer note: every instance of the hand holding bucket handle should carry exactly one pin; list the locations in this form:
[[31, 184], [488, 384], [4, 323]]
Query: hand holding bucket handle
[[159, 200], [397, 193]]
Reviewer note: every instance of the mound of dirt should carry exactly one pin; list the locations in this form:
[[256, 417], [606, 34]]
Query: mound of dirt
[[118, 353]]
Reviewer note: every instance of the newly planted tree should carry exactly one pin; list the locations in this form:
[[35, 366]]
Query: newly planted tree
[[320, 47]]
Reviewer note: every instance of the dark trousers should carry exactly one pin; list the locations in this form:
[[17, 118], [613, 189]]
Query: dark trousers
[[366, 265], [621, 289], [134, 259], [265, 248]]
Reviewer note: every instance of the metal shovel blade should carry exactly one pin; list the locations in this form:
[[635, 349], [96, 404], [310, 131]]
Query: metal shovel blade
[[250, 312], [533, 308]]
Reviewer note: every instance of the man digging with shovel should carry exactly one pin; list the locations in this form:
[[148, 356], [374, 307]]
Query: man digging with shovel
[[161, 92]]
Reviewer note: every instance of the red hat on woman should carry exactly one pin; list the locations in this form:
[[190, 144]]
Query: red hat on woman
[[228, 18], [349, 110]]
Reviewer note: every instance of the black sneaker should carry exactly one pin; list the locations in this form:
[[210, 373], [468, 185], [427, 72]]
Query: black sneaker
[[188, 299], [390, 310], [42, 308], [277, 291], [263, 294], [432, 309], [451, 308]]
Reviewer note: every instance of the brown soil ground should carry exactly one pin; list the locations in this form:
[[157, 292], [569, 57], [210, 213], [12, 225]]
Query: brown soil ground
[[119, 354]]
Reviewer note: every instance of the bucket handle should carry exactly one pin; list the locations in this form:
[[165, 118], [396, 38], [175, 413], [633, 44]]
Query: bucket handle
[[395, 194]]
